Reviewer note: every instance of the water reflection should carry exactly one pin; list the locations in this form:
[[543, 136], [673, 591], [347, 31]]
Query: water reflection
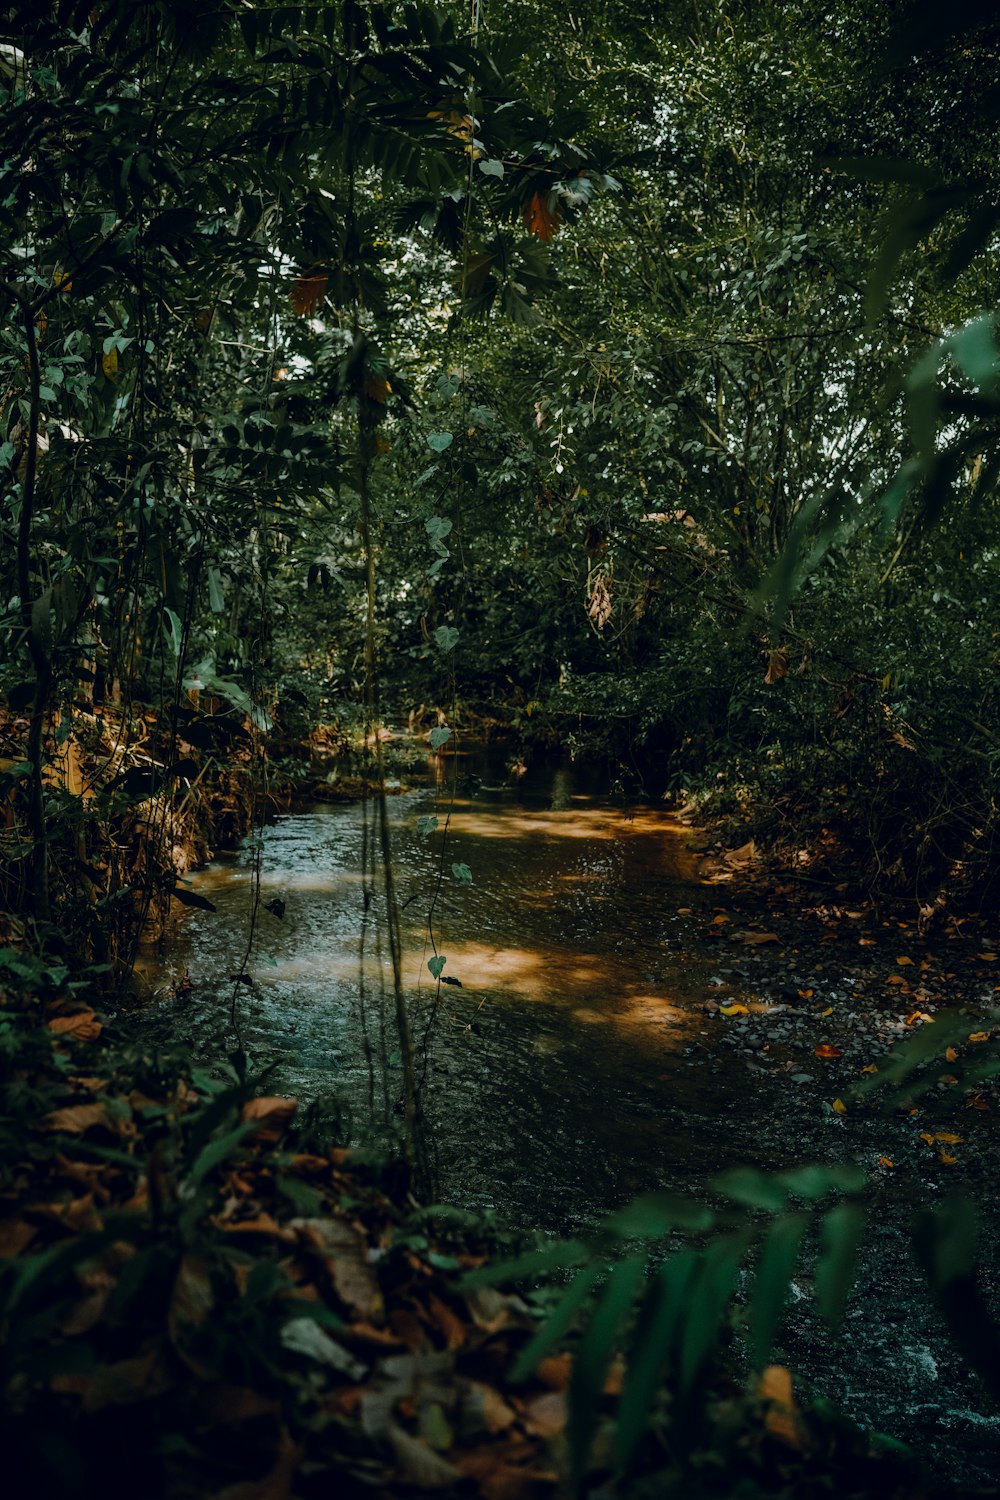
[[556, 1079]]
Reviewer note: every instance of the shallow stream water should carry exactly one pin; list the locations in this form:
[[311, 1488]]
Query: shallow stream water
[[574, 1066]]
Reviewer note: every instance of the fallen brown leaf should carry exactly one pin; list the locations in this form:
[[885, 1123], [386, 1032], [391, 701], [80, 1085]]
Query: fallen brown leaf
[[344, 1249], [82, 1026], [78, 1118], [491, 1310], [15, 1236], [781, 1419], [545, 1415], [448, 1323], [555, 1371], [262, 1223], [483, 1409]]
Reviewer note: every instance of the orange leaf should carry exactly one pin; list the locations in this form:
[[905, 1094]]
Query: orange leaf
[[871, 1068], [262, 1223], [781, 1419], [76, 1118], [979, 1036], [275, 1109], [987, 957], [948, 1161], [540, 219], [83, 1025], [448, 1322], [308, 290], [839, 1107], [777, 665], [904, 960], [377, 389], [555, 1371], [951, 1054], [736, 1009], [885, 1162], [827, 1051]]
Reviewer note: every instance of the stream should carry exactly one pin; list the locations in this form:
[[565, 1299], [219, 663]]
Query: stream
[[581, 1060]]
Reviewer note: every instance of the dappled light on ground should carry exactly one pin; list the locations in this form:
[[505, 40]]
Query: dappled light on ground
[[589, 987]]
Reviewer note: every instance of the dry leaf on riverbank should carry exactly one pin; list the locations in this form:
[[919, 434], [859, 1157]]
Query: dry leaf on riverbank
[[274, 1114], [82, 1026], [76, 1118], [344, 1250]]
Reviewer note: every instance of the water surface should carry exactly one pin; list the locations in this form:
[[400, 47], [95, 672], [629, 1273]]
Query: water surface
[[573, 1066]]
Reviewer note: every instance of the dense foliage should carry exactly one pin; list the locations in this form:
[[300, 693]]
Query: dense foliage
[[587, 330], [629, 380]]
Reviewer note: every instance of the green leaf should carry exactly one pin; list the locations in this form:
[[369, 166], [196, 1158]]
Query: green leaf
[[439, 441], [654, 1215], [709, 1299], [216, 1152], [437, 528], [41, 621], [446, 637], [975, 351], [438, 737], [772, 1282], [436, 964], [594, 1355], [556, 1325], [216, 596], [945, 1242], [653, 1346], [462, 874], [529, 1266], [173, 630], [842, 1229], [752, 1188], [426, 826], [817, 1181], [491, 168]]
